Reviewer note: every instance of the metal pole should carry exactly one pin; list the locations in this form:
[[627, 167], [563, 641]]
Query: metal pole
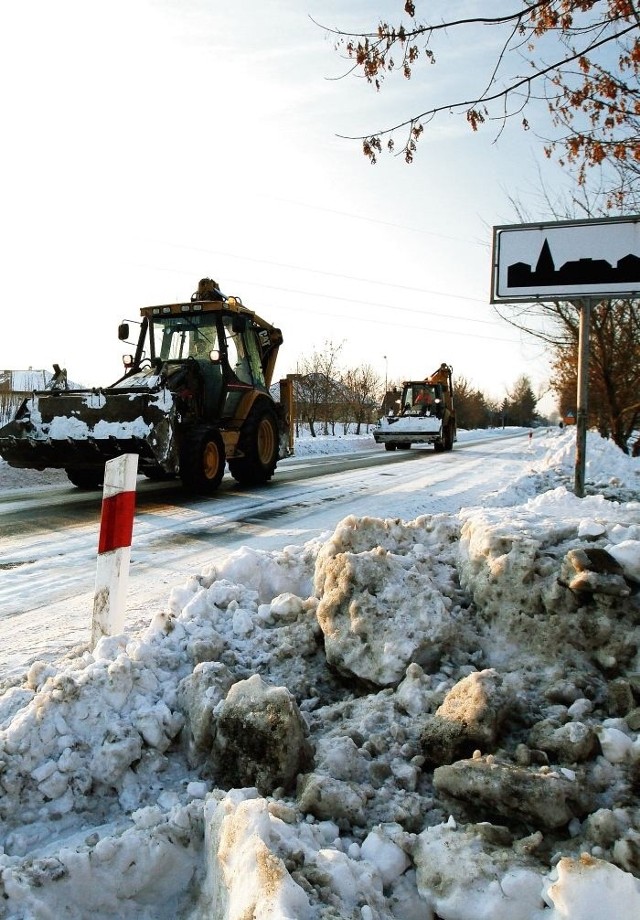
[[386, 384], [583, 397]]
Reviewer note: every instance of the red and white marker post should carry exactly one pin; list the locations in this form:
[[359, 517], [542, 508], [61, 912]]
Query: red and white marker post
[[114, 546]]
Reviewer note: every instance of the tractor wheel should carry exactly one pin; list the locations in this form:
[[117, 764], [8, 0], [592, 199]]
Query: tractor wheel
[[85, 479], [259, 444], [202, 461], [448, 438], [390, 445]]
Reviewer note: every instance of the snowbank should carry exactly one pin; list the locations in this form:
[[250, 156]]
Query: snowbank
[[410, 719]]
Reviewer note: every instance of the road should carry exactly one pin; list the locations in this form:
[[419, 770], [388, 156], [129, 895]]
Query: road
[[49, 536]]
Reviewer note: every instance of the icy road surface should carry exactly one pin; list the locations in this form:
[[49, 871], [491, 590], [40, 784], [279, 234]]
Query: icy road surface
[[49, 533]]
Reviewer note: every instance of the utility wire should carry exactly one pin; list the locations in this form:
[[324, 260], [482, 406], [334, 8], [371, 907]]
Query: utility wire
[[375, 220], [313, 312], [382, 322], [369, 303], [318, 271]]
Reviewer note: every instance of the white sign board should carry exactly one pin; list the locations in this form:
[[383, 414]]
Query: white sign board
[[566, 260]]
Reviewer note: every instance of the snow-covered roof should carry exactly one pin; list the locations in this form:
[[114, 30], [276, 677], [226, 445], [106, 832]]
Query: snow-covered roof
[[18, 381], [25, 381]]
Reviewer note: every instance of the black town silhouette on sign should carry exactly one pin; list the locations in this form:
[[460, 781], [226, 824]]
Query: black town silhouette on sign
[[579, 271]]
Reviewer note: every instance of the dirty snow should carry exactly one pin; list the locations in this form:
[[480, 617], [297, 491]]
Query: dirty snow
[[419, 718]]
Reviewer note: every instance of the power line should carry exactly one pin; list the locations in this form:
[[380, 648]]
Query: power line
[[281, 306], [381, 322], [374, 220], [318, 271], [368, 303]]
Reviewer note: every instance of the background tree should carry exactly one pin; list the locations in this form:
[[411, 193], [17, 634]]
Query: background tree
[[364, 391], [565, 383], [614, 365], [581, 56], [472, 410], [494, 413], [314, 389], [521, 403]]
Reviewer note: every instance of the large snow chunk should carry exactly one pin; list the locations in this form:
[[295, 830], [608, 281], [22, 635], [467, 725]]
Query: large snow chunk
[[532, 578], [146, 870], [378, 614], [245, 877], [261, 737], [389, 859], [461, 874], [542, 799], [198, 695], [385, 589], [327, 798], [587, 888], [469, 717], [289, 570], [570, 743], [627, 554]]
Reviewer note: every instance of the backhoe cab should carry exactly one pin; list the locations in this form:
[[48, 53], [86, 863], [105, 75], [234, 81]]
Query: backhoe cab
[[195, 395]]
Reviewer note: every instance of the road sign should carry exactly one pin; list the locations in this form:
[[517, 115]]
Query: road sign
[[566, 260]]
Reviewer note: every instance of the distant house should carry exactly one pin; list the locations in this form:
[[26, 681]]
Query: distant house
[[321, 401], [22, 383], [16, 385]]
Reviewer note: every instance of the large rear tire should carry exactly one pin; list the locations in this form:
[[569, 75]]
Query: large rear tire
[[85, 479], [202, 461], [448, 438], [390, 445], [259, 444]]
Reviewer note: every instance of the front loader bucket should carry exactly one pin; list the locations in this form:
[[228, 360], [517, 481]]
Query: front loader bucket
[[81, 429]]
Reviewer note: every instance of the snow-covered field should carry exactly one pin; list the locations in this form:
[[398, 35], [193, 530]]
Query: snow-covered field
[[408, 717]]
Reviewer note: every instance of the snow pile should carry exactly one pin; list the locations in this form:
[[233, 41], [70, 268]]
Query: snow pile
[[436, 718], [324, 445]]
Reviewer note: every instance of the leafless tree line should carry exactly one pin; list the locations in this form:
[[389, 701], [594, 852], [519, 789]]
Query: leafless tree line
[[327, 396]]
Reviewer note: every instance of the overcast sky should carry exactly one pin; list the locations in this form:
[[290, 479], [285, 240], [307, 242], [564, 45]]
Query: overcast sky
[[149, 144]]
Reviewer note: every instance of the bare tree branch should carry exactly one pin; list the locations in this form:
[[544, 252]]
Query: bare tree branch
[[468, 104], [602, 88]]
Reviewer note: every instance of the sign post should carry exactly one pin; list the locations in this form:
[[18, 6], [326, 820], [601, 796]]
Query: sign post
[[114, 546], [579, 261], [583, 397]]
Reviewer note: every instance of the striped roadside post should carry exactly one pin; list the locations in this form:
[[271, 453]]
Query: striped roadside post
[[114, 546]]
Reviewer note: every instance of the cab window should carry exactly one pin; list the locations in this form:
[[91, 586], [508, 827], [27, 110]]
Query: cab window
[[174, 338], [237, 353]]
